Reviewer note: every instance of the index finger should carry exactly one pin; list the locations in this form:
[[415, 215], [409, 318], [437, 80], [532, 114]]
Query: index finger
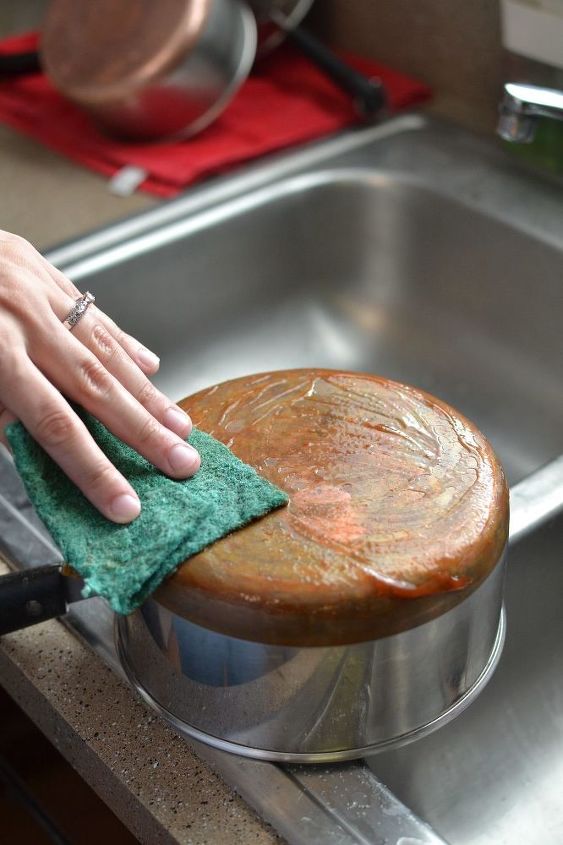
[[54, 425]]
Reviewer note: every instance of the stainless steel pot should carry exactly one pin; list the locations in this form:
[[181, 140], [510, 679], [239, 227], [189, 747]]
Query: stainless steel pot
[[312, 705], [362, 616], [148, 70]]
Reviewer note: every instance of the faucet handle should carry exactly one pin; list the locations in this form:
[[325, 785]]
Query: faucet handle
[[518, 128]]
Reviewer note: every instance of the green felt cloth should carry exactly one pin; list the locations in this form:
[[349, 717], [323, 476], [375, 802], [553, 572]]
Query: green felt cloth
[[125, 563]]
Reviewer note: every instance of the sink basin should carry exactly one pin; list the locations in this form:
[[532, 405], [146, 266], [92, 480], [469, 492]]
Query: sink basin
[[384, 269], [419, 252], [494, 776]]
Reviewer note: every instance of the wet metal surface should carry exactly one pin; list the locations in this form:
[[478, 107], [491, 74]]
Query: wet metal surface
[[421, 253]]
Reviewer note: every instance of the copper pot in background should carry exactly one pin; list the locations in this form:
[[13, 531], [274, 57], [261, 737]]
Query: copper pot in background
[[147, 70]]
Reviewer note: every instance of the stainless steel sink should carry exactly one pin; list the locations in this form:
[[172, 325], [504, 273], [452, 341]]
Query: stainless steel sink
[[387, 258], [419, 252], [495, 774]]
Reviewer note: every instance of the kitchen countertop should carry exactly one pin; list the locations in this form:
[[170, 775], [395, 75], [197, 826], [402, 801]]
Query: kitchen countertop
[[49, 199], [147, 774]]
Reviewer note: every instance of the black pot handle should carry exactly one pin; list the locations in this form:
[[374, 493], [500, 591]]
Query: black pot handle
[[368, 94], [31, 596], [19, 64]]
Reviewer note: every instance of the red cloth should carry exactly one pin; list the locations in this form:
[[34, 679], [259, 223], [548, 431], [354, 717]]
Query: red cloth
[[286, 101]]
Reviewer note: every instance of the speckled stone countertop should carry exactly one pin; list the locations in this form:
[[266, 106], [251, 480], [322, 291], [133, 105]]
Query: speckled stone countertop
[[147, 774]]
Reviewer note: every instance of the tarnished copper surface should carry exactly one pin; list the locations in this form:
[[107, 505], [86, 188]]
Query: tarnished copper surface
[[96, 52], [398, 509]]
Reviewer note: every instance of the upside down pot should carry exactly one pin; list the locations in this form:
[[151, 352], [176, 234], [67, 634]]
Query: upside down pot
[[147, 70], [365, 614]]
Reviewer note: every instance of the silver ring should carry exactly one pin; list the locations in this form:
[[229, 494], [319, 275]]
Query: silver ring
[[79, 309]]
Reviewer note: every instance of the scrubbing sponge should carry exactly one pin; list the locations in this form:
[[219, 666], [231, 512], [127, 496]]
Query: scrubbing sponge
[[125, 563]]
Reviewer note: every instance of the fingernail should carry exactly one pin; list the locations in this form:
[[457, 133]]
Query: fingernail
[[177, 420], [125, 508], [147, 358], [183, 459]]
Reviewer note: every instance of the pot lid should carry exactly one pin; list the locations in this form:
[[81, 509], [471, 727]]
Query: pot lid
[[111, 48], [398, 510]]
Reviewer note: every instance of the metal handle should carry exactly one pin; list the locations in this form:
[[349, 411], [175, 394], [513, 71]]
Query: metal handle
[[19, 64], [536, 499], [368, 94], [31, 596]]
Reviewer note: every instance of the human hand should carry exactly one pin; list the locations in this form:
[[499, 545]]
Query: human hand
[[95, 365]]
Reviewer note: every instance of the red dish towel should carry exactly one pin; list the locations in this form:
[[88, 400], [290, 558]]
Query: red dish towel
[[286, 101]]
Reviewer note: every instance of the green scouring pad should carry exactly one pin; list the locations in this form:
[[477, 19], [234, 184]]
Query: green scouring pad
[[125, 563]]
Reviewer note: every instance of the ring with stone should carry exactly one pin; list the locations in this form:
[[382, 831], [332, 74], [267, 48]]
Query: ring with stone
[[79, 309]]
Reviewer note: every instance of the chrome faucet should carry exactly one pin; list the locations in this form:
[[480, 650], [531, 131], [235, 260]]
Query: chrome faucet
[[521, 107]]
